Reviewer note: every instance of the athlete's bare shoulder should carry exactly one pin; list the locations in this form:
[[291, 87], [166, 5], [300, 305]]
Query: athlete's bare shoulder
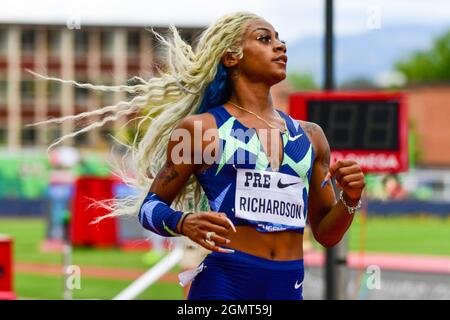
[[313, 130], [200, 128], [203, 120], [316, 135]]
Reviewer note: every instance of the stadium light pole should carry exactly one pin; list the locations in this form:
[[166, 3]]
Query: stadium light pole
[[336, 257], [329, 46]]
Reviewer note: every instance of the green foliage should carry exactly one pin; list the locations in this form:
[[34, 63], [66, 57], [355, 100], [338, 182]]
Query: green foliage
[[429, 66], [23, 175], [27, 175], [302, 81], [358, 83], [415, 153], [93, 165]]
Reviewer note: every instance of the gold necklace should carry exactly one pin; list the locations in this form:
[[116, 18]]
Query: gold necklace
[[269, 124]]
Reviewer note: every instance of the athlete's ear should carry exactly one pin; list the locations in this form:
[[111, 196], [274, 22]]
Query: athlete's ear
[[230, 59]]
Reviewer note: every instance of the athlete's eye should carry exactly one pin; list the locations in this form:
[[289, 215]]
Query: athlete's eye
[[264, 38]]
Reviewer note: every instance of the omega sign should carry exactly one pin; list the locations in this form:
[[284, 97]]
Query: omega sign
[[372, 162]]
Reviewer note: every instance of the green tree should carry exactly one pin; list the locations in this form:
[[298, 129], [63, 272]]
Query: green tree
[[302, 81], [358, 83], [429, 66]]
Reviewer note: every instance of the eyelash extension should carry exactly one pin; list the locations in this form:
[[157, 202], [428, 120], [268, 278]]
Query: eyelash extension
[[267, 37]]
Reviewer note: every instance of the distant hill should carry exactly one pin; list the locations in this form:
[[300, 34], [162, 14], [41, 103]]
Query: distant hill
[[364, 55]]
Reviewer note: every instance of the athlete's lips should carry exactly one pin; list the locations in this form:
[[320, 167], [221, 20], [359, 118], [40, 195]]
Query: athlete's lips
[[283, 59]]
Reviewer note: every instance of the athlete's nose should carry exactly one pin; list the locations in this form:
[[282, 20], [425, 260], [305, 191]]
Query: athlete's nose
[[280, 46]]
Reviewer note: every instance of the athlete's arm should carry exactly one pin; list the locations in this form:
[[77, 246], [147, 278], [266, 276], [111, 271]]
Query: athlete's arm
[[176, 172], [329, 219]]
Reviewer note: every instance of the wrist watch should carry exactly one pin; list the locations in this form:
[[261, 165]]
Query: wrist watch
[[351, 210]]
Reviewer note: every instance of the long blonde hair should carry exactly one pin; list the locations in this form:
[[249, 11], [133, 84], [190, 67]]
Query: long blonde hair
[[164, 101]]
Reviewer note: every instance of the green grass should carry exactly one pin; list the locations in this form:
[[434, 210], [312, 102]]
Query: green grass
[[425, 235], [29, 234], [406, 235], [422, 235], [48, 287]]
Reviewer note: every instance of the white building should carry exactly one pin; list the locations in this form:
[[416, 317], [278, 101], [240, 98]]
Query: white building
[[107, 50]]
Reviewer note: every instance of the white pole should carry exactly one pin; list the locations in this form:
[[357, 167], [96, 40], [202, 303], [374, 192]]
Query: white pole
[[67, 262], [151, 276], [67, 255]]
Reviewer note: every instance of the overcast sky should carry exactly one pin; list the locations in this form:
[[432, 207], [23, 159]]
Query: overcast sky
[[293, 19]]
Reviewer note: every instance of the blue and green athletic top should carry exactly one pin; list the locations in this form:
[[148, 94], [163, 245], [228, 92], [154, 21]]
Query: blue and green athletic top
[[242, 184]]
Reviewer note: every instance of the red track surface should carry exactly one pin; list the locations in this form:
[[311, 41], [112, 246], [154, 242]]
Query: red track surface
[[394, 262], [89, 271]]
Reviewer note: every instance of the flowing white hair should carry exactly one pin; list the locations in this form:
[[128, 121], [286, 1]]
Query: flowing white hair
[[163, 101]]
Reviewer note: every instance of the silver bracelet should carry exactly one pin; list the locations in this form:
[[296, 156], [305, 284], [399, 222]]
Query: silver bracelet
[[351, 210]]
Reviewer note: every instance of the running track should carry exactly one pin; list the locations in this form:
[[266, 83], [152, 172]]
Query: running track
[[312, 258]]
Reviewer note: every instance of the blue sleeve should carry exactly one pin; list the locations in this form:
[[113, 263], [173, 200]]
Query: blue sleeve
[[157, 216]]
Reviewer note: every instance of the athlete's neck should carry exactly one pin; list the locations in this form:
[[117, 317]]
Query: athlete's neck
[[253, 96]]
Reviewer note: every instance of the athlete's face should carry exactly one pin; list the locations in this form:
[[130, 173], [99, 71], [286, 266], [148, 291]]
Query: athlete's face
[[264, 53]]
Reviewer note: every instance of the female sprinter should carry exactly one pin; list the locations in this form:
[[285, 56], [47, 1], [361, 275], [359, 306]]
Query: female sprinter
[[265, 187], [212, 125]]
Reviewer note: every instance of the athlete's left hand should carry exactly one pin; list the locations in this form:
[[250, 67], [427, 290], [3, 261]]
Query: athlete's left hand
[[349, 178]]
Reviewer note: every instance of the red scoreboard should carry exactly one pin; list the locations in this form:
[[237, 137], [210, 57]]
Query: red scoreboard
[[370, 127]]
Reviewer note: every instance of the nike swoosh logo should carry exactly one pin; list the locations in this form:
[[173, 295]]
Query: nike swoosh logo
[[282, 185], [295, 137], [297, 285]]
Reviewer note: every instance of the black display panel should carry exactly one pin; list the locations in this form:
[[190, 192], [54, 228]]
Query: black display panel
[[357, 125]]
